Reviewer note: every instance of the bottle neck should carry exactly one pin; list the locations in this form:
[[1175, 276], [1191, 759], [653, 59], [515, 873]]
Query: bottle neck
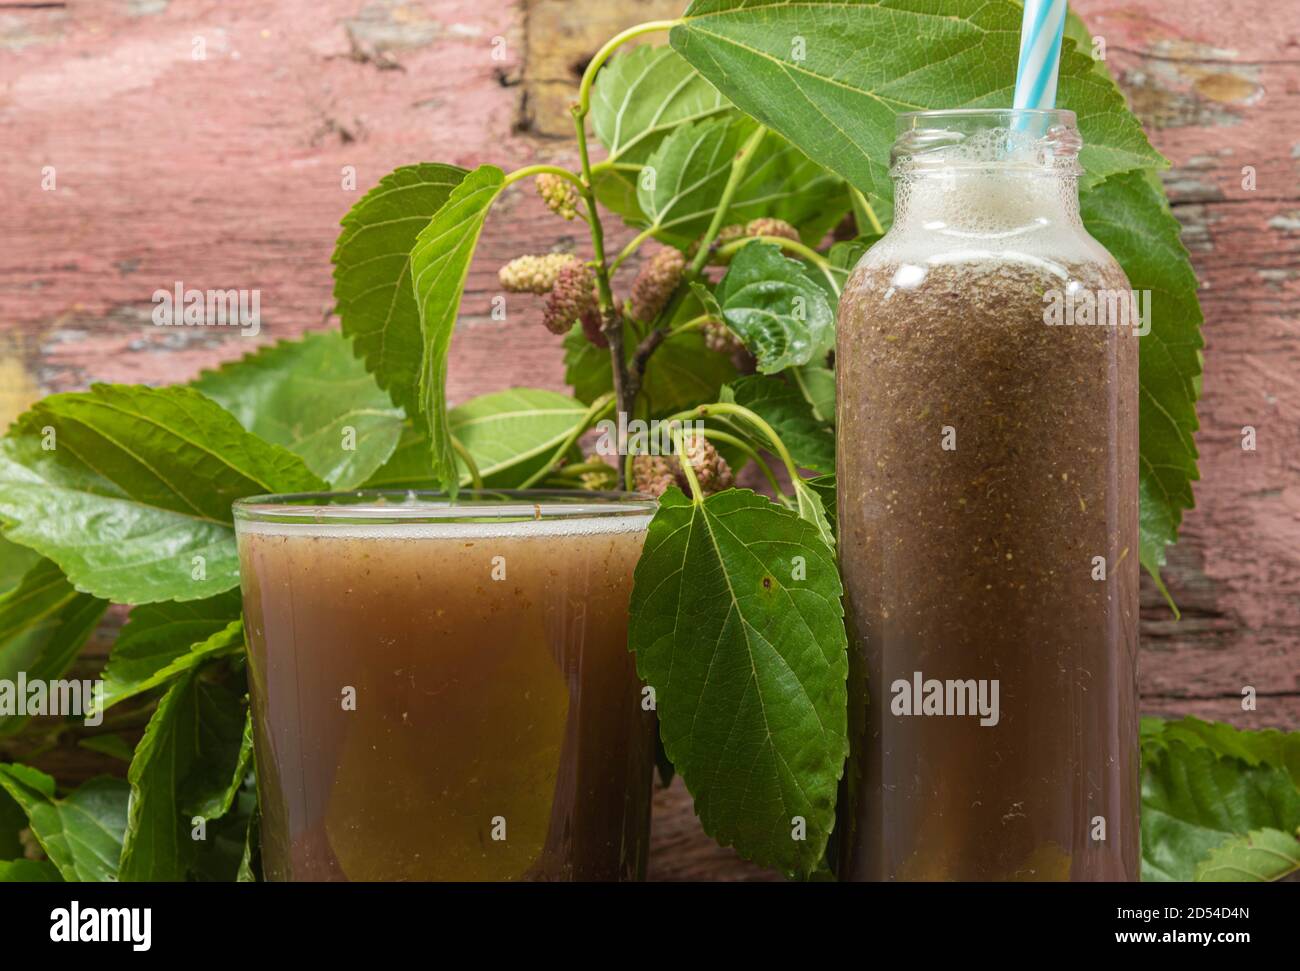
[[988, 200]]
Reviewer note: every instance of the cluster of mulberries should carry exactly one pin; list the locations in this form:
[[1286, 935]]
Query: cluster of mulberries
[[559, 194], [771, 226], [593, 327], [728, 233], [597, 480], [534, 274], [711, 469], [719, 337], [655, 283], [725, 235], [763, 226], [653, 474], [573, 297], [569, 285]]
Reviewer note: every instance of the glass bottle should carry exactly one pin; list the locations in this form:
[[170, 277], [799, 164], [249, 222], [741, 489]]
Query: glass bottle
[[988, 516]]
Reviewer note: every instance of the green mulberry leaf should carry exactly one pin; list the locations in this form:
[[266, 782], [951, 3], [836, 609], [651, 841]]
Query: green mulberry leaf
[[737, 625]]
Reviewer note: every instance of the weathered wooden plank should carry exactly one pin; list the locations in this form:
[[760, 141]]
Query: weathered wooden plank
[[226, 172]]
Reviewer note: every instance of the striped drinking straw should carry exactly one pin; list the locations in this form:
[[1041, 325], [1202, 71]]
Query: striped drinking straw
[[1040, 54]]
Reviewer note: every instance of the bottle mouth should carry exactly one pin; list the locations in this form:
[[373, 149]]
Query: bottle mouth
[[1031, 140], [369, 507]]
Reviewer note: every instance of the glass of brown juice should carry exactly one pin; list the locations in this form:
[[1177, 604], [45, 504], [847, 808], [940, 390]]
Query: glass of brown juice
[[441, 687]]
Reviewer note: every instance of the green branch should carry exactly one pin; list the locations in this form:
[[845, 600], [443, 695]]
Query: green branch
[[735, 441], [687, 469], [738, 167], [695, 323], [471, 466], [740, 411], [790, 246], [861, 206], [632, 247], [602, 55], [531, 170], [594, 413]]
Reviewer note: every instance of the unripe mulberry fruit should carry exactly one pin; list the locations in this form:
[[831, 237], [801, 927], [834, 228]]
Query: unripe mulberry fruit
[[652, 474], [534, 274], [771, 226], [606, 477], [725, 235], [711, 469], [719, 337], [593, 327], [655, 283], [571, 298], [559, 194]]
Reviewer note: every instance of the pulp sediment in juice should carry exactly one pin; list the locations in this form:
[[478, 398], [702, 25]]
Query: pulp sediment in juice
[[450, 701], [987, 502]]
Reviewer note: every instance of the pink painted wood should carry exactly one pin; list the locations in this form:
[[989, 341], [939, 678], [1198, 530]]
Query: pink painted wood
[[208, 143]]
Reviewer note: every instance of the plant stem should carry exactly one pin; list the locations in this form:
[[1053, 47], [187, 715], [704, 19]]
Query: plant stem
[[611, 317], [597, 231], [631, 248], [686, 467], [530, 170], [578, 468], [475, 479], [602, 55], [791, 246], [695, 323], [735, 441], [651, 342], [740, 411], [738, 166], [594, 413], [641, 356], [861, 202], [802, 382]]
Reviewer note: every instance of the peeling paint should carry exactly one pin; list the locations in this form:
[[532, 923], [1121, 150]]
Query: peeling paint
[[1277, 278], [560, 39], [1288, 222], [1183, 184], [386, 26], [1231, 88], [1195, 220], [131, 66], [18, 390], [146, 8], [37, 27], [1182, 83]]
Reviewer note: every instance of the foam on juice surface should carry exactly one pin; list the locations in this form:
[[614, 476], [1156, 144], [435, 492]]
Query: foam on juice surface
[[997, 197], [554, 520]]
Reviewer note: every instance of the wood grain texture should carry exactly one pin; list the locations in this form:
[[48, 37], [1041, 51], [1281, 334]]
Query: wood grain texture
[[227, 171]]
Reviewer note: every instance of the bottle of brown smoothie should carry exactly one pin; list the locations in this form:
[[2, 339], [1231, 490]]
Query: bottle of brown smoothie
[[988, 514]]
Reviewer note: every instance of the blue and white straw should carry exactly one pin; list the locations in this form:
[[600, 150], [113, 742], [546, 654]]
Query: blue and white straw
[[1040, 53]]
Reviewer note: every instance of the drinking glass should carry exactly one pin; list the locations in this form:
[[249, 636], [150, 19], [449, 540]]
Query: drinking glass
[[441, 687]]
